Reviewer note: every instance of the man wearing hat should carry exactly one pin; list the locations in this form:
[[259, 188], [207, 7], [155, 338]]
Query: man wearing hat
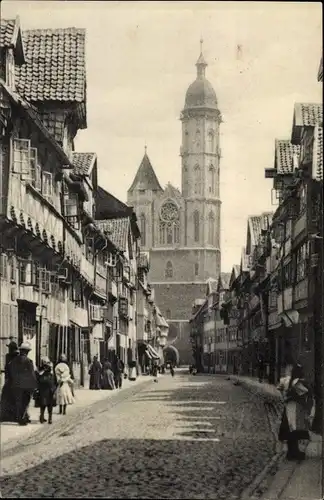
[[22, 379]]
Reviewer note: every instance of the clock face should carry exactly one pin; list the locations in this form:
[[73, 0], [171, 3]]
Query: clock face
[[169, 212]]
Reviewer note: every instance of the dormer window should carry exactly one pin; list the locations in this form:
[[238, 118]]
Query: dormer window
[[10, 69]]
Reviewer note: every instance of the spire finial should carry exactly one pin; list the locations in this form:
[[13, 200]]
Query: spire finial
[[145, 147], [201, 44]]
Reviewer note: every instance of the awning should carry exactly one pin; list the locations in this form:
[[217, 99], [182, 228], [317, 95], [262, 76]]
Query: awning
[[153, 352], [147, 352], [290, 317]]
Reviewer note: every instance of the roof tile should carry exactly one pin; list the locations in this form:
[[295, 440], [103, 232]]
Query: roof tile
[[55, 65], [308, 115], [285, 155], [117, 231], [7, 27], [83, 162], [258, 223]]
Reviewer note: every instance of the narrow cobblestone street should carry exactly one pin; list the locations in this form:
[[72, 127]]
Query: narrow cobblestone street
[[183, 437]]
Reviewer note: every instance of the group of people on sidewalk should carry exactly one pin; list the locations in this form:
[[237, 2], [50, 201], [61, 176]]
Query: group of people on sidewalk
[[48, 386], [107, 376]]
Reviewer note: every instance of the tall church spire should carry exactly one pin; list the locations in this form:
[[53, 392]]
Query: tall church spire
[[201, 63]]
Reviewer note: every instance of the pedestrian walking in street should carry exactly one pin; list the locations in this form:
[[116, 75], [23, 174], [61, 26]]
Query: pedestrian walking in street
[[118, 372], [172, 370], [95, 372], [296, 421], [155, 372], [22, 381], [64, 391], [45, 396], [261, 367], [7, 403], [108, 381]]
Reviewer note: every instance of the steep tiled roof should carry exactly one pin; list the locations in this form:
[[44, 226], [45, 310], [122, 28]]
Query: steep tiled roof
[[55, 66], [7, 27], [117, 231], [318, 154], [108, 205], [83, 162], [305, 115], [10, 36], [308, 115], [225, 280], [145, 177], [285, 156], [257, 223]]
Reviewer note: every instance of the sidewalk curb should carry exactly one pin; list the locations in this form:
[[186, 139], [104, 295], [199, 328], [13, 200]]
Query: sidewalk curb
[[59, 428], [272, 466], [286, 480], [251, 489]]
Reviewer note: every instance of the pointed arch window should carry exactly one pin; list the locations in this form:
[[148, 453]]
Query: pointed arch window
[[169, 270], [168, 313], [211, 228], [143, 229], [196, 269], [197, 179], [212, 178], [169, 226], [211, 141], [196, 225]]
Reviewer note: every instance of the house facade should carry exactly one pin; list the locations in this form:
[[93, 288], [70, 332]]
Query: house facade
[[69, 250]]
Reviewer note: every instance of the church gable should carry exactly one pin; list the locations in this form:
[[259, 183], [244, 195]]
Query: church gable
[[172, 192]]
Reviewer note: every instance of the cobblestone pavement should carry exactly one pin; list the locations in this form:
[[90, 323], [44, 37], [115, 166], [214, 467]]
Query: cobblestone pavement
[[183, 437]]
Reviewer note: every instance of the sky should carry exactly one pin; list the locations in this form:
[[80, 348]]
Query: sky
[[141, 59]]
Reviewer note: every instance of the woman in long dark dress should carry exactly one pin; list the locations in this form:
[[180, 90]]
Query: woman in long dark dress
[[7, 405], [95, 374]]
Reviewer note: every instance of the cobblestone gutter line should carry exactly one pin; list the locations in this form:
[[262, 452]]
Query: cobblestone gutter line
[[274, 408], [69, 424]]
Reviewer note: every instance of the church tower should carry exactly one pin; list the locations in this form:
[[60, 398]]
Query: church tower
[[200, 153], [181, 229]]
